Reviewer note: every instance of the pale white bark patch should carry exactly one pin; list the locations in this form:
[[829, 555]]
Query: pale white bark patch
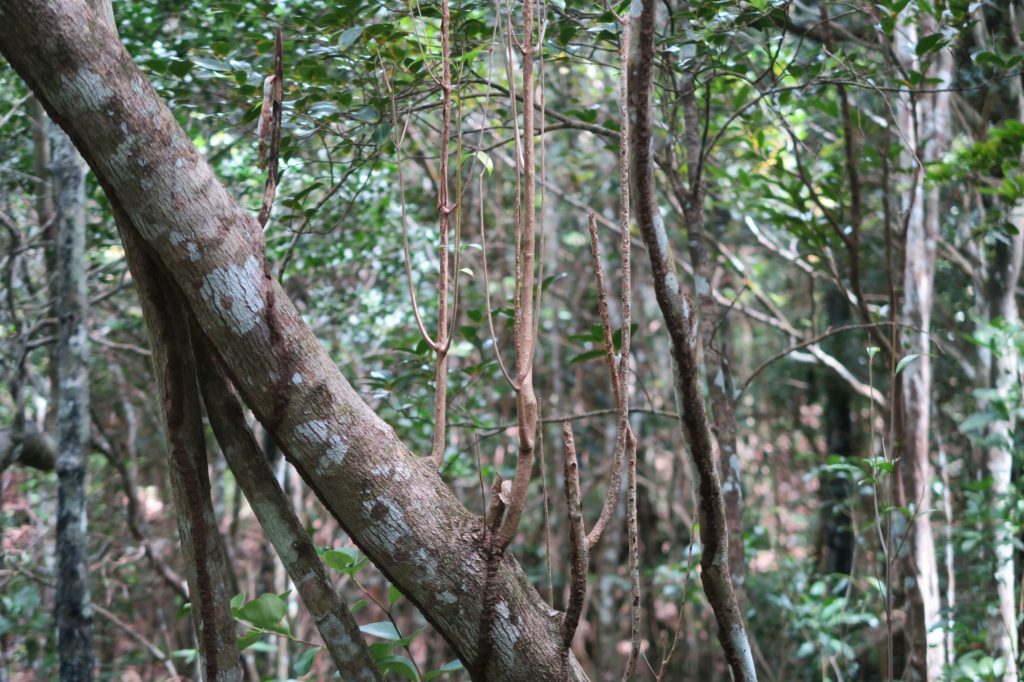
[[390, 527], [427, 564], [90, 89], [447, 597], [296, 379], [234, 291], [317, 433], [739, 642], [396, 471], [506, 634]]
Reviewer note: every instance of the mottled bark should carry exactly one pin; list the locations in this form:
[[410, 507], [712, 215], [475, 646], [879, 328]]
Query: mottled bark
[[398, 511], [255, 477], [71, 354], [925, 122], [680, 319], [208, 573]]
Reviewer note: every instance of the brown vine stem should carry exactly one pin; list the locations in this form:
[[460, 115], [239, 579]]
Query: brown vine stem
[[523, 322], [680, 320], [444, 208]]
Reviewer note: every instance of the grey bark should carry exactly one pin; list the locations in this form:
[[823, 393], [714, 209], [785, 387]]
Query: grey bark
[[255, 477], [398, 511], [71, 354]]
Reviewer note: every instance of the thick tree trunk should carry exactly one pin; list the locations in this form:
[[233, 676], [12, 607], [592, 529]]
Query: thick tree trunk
[[73, 608], [925, 120], [395, 508]]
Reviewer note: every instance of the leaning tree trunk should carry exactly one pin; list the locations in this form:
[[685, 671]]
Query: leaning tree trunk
[[925, 122], [393, 506]]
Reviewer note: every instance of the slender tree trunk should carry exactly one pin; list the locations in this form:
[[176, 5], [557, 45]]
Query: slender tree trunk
[[839, 539], [1004, 375], [681, 321], [74, 610], [925, 121]]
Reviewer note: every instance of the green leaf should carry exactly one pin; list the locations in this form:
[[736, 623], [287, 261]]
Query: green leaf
[[212, 64], [341, 559], [929, 43], [394, 594], [349, 36], [380, 650], [266, 611], [237, 601], [383, 629], [976, 422], [366, 114], [904, 361], [401, 665], [249, 638], [588, 355], [305, 662], [449, 667], [486, 161]]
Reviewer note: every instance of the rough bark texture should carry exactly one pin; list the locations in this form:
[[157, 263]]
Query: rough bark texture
[[73, 607], [680, 319], [255, 477], [926, 124], [397, 510]]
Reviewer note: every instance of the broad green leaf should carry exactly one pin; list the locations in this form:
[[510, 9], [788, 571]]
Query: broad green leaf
[[588, 355], [382, 629], [401, 665], [266, 611], [349, 36]]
